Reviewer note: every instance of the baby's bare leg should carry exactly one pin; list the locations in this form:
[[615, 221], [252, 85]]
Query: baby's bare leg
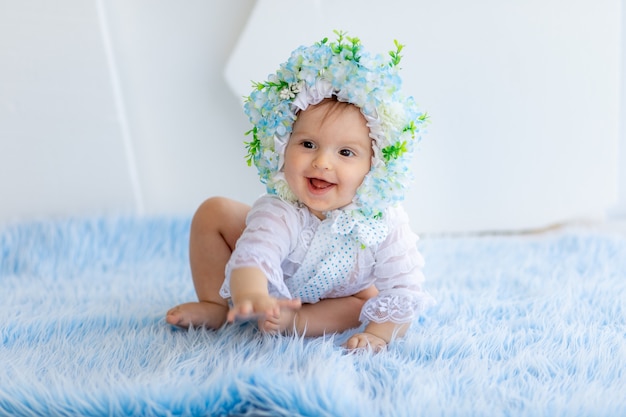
[[330, 315], [215, 229]]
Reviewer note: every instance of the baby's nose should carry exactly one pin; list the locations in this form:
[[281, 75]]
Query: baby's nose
[[322, 161]]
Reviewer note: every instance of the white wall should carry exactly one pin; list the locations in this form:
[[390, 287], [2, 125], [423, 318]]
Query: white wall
[[60, 146], [187, 125], [523, 97], [171, 134], [619, 210], [70, 145]]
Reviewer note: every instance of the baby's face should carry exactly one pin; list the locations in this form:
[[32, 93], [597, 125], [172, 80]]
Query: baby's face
[[328, 155]]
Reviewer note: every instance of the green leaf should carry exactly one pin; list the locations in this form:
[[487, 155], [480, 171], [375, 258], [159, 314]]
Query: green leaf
[[394, 151], [395, 55], [253, 147]]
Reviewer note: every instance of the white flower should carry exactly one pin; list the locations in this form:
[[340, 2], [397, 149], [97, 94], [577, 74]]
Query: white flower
[[286, 94], [392, 114], [297, 87]]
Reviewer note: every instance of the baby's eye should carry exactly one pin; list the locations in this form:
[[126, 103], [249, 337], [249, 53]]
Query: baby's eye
[[346, 152], [307, 144]]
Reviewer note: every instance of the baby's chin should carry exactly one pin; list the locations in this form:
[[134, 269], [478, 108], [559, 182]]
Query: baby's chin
[[321, 211]]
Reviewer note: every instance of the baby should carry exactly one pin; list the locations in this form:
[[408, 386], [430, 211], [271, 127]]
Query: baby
[[328, 247]]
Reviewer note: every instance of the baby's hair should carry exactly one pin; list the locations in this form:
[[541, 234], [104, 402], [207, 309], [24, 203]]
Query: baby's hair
[[332, 107]]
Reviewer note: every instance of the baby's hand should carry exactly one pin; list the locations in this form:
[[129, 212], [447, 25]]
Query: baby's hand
[[285, 322], [366, 341], [253, 306], [259, 306]]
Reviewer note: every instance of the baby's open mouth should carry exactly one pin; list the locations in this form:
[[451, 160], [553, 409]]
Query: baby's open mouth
[[319, 184]]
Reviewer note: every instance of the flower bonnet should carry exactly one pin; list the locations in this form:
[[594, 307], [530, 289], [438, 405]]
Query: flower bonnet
[[342, 69]]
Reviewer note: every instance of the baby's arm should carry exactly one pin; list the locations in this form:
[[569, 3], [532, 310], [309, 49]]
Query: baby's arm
[[377, 335], [251, 298]]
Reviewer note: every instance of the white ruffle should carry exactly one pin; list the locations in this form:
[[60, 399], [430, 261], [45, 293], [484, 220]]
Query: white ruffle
[[313, 95], [369, 232], [398, 306]]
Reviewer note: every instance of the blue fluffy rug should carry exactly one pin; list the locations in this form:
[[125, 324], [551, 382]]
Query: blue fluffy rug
[[525, 326]]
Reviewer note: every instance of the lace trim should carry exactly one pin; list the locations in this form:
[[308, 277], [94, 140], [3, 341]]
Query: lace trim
[[398, 306]]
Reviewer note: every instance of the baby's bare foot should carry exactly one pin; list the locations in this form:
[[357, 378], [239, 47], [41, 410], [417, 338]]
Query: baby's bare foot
[[366, 341], [197, 314]]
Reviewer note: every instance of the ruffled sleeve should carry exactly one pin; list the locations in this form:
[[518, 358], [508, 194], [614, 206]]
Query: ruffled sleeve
[[270, 232], [398, 276]]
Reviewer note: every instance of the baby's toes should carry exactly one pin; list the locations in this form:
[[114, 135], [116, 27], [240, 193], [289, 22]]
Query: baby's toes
[[174, 317]]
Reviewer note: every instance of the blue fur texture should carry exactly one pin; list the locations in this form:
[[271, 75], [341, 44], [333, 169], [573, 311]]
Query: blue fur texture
[[524, 326]]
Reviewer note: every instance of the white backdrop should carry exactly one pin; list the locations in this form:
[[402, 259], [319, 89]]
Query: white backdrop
[[523, 96], [123, 106]]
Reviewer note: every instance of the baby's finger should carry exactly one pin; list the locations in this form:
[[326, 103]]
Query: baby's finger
[[240, 310], [245, 317], [232, 315], [270, 325], [290, 304], [272, 311]]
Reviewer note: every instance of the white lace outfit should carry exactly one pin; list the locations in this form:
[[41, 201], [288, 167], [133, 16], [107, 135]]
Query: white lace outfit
[[307, 258]]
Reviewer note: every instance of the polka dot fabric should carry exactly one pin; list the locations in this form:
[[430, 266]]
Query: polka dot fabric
[[328, 262], [332, 255], [368, 231]]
